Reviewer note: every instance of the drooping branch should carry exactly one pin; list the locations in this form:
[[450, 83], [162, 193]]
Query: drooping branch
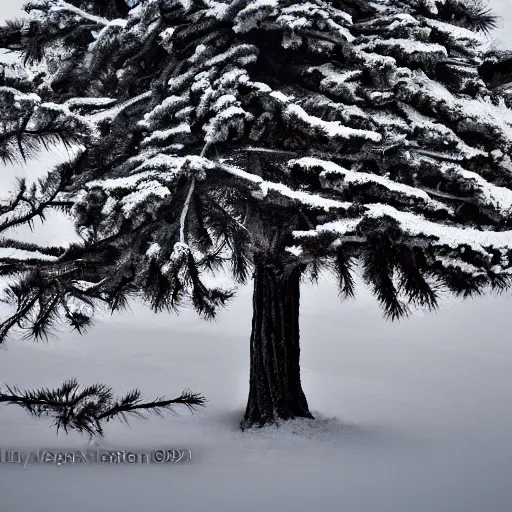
[[54, 183]]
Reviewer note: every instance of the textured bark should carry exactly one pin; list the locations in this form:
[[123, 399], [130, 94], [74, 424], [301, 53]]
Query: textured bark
[[275, 391]]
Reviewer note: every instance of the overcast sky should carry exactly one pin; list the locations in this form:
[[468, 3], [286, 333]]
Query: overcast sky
[[12, 8]]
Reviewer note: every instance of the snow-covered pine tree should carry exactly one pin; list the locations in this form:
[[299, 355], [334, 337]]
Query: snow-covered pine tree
[[274, 138]]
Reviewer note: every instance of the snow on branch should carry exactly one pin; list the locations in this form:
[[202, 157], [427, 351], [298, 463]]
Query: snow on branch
[[475, 114], [262, 189], [89, 102], [408, 48], [498, 198], [462, 266], [415, 225], [332, 176], [8, 253], [61, 5], [298, 116], [456, 34], [117, 109]]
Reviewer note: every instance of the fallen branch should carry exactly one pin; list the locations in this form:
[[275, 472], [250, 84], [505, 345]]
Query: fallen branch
[[85, 409]]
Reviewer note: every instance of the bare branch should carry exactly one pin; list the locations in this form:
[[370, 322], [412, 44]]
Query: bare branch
[[184, 212]]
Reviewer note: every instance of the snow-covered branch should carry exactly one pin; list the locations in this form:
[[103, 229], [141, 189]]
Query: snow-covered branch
[[261, 189], [61, 5], [117, 109], [442, 195]]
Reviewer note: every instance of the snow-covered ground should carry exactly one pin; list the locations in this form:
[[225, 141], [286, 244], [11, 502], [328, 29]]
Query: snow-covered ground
[[413, 416]]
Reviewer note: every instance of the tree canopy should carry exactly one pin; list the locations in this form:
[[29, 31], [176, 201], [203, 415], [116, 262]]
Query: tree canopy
[[323, 134]]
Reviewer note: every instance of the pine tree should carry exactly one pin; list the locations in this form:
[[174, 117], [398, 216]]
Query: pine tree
[[274, 139]]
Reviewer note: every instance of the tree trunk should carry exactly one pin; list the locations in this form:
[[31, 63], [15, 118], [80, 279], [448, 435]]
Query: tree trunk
[[275, 391]]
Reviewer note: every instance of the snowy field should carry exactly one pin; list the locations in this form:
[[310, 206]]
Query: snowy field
[[411, 417]]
